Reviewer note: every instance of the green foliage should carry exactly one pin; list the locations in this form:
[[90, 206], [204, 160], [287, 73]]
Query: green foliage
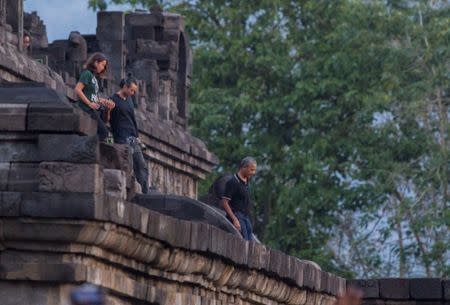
[[345, 106]]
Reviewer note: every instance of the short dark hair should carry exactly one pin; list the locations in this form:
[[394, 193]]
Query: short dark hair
[[128, 81], [96, 57], [247, 161]]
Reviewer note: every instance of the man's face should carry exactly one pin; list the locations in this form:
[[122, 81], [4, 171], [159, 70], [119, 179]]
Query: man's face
[[131, 90], [26, 41], [249, 170]]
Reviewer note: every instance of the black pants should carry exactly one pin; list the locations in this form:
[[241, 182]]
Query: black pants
[[139, 164], [102, 130]]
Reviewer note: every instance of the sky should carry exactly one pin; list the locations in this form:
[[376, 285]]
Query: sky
[[63, 16]]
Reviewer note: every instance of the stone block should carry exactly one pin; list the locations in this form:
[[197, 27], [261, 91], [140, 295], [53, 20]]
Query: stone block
[[216, 243], [19, 149], [51, 117], [4, 173], [369, 288], [13, 117], [238, 250], [43, 272], [23, 177], [70, 177], [110, 25], [446, 289], [182, 239], [60, 205], [30, 93], [116, 156], [258, 256], [324, 281], [113, 48], [298, 267], [115, 183], [425, 288], [10, 204], [68, 148], [173, 22], [22, 292], [395, 289], [199, 236], [308, 276], [275, 261], [85, 124]]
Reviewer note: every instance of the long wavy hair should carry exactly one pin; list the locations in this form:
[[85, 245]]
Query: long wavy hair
[[90, 63]]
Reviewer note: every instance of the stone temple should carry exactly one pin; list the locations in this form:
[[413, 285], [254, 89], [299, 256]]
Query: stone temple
[[70, 209]]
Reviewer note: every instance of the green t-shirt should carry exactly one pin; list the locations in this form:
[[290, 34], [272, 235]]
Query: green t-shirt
[[90, 88]]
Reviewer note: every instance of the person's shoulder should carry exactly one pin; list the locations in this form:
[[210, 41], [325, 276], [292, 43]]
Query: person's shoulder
[[232, 181], [115, 98], [86, 74]]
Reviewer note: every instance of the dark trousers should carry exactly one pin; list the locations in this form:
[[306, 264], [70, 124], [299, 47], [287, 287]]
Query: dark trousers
[[102, 130], [139, 164], [246, 225]]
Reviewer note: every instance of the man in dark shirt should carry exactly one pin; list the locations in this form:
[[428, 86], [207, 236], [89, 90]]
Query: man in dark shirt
[[124, 128], [236, 199]]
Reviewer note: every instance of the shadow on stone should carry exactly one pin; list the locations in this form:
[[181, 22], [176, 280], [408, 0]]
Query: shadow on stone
[[186, 209]]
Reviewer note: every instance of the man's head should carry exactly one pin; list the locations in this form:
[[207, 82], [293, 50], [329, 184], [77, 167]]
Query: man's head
[[26, 40], [129, 85], [247, 167]]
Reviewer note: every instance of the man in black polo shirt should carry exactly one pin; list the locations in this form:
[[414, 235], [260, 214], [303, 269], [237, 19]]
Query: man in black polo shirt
[[236, 199]]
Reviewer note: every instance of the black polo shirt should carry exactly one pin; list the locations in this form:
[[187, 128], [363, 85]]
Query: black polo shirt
[[236, 191], [123, 122]]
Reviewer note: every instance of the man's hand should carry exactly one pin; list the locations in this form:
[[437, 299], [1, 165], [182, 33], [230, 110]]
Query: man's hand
[[107, 103], [237, 224]]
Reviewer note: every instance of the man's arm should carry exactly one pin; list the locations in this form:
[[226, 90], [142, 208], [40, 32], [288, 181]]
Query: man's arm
[[227, 208]]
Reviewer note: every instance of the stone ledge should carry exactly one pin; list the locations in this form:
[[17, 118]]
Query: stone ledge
[[111, 256], [123, 216], [403, 289]]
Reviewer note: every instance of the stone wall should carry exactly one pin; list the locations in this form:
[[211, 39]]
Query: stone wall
[[404, 291], [154, 47]]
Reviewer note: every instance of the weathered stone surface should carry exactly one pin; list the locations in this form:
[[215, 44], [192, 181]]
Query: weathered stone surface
[[199, 236], [4, 173], [68, 148], [70, 177], [59, 205], [185, 208], [13, 293], [110, 25], [18, 148], [23, 177], [13, 117], [258, 256], [369, 288], [10, 203], [26, 93], [115, 156], [51, 117], [446, 289], [308, 276], [397, 289], [115, 183], [425, 289]]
